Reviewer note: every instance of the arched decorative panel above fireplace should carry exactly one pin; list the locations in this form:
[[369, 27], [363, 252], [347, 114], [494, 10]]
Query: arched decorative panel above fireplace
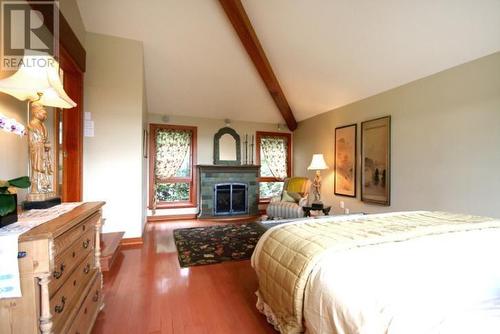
[[224, 151]]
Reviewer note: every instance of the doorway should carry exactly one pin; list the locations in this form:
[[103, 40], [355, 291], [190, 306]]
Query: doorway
[[69, 134]]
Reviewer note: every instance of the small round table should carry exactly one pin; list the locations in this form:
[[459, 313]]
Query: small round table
[[308, 209]]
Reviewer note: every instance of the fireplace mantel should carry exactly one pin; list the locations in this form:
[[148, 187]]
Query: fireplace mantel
[[227, 168], [212, 175]]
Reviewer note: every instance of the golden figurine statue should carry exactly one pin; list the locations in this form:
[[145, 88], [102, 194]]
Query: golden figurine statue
[[40, 156], [317, 187]]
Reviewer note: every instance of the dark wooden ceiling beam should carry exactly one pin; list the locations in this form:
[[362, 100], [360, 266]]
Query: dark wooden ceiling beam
[[241, 23], [67, 37]]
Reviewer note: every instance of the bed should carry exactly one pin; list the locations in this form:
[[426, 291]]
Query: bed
[[408, 272]]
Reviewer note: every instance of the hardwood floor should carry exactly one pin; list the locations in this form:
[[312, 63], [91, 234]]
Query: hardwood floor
[[147, 292]]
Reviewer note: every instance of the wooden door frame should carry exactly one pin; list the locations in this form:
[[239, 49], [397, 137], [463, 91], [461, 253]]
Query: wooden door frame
[[72, 189], [72, 59]]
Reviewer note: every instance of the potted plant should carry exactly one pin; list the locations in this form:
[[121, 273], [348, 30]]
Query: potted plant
[[8, 199]]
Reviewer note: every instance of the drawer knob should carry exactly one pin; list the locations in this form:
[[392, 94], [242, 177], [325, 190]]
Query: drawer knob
[[58, 274], [60, 308], [86, 270], [86, 243], [96, 296]]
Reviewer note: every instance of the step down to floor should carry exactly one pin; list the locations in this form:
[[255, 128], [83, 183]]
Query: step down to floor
[[110, 247]]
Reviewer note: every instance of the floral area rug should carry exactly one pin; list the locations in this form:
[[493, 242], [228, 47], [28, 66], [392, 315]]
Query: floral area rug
[[214, 244]]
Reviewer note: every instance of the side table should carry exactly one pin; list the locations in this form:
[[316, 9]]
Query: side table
[[308, 209]]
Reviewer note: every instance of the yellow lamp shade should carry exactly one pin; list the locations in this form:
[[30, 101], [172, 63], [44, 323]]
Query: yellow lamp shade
[[318, 163], [38, 75]]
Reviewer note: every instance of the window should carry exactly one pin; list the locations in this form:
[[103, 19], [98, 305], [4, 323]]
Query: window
[[274, 156], [171, 166]]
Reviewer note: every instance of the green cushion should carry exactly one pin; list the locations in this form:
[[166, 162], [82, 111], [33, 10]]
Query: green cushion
[[288, 197], [296, 196]]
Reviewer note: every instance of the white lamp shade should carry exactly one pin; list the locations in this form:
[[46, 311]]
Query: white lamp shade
[[318, 162], [38, 74]]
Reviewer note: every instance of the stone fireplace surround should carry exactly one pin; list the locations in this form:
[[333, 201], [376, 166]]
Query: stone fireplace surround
[[211, 175]]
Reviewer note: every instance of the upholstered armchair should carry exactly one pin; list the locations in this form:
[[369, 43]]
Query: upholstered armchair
[[289, 204]]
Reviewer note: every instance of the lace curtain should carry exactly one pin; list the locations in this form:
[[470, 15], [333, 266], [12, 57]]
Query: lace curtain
[[172, 147], [274, 153]]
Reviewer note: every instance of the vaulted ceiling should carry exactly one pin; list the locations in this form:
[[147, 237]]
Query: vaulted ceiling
[[325, 53]]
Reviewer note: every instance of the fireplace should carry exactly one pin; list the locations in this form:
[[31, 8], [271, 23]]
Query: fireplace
[[226, 191], [230, 199]]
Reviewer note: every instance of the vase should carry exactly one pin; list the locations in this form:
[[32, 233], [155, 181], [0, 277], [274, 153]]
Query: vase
[[11, 217]]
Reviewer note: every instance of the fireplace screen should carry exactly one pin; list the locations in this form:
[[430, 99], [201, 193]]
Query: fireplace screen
[[231, 198]]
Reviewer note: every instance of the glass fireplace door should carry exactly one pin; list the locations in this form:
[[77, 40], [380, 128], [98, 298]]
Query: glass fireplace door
[[230, 199]]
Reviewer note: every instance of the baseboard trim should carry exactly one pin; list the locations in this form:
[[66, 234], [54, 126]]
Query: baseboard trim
[[165, 218], [245, 218], [193, 216], [132, 242]]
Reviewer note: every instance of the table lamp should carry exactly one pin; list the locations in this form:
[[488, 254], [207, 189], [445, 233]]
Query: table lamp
[[318, 164], [37, 81]]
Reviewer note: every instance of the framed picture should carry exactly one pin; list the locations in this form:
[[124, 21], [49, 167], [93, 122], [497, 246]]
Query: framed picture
[[345, 160], [376, 161], [145, 142]]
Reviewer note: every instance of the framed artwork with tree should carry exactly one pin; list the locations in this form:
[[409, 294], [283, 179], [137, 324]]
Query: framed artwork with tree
[[376, 161]]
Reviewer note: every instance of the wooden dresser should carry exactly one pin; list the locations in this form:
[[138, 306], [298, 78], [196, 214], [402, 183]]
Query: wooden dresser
[[61, 278]]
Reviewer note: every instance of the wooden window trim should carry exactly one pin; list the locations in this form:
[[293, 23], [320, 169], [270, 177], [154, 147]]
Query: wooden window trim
[[264, 200], [258, 138], [192, 203]]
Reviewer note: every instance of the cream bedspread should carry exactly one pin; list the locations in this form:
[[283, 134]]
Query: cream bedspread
[[441, 284], [286, 255]]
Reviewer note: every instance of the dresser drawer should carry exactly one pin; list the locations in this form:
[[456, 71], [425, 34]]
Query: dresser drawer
[[68, 241], [70, 294], [70, 258], [62, 242], [84, 321]]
